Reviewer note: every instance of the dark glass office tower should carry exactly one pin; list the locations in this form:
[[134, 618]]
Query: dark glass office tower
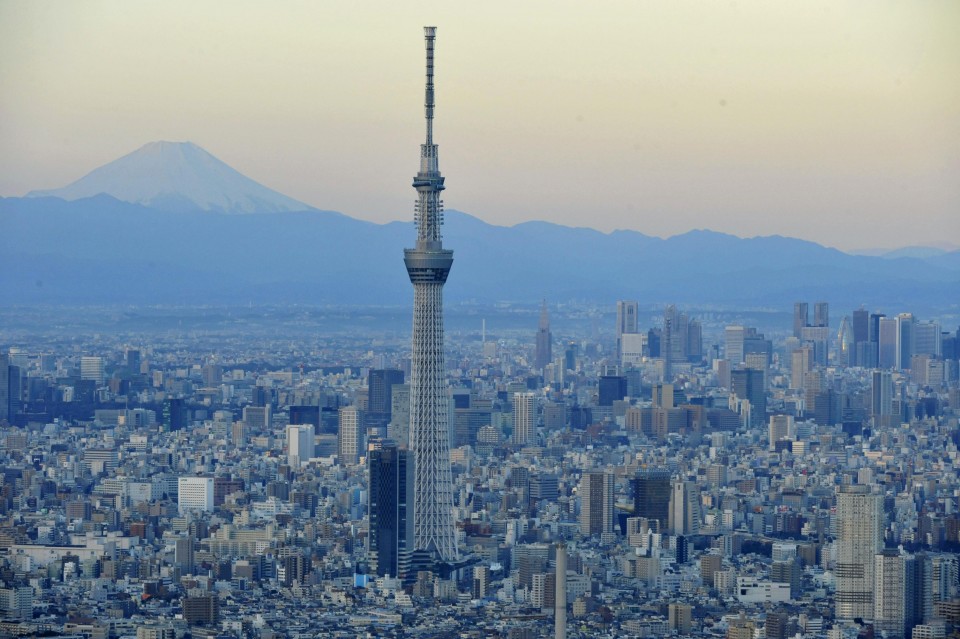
[[380, 384], [651, 495], [391, 509]]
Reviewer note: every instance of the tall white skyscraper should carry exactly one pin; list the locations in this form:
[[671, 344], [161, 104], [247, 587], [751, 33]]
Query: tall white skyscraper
[[524, 417], [859, 540], [350, 435], [299, 444]]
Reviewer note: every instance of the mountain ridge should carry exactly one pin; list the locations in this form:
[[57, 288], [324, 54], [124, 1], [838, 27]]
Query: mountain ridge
[[103, 250], [159, 225]]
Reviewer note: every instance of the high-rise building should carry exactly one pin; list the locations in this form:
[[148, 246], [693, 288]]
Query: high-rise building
[[859, 539], [391, 509], [560, 595], [881, 395], [680, 618], [846, 352], [299, 444], [747, 383], [733, 341], [780, 427], [5, 412], [685, 513], [927, 339], [380, 383], [801, 318], [258, 418], [675, 334], [92, 368], [428, 265], [821, 314], [183, 554], [651, 496], [524, 418], [627, 321], [597, 493], [350, 439], [611, 388], [306, 415], [861, 336], [888, 341], [201, 610], [894, 605], [195, 493], [544, 354], [904, 340]]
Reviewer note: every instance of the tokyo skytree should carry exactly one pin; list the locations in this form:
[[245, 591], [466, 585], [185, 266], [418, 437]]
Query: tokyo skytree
[[428, 265]]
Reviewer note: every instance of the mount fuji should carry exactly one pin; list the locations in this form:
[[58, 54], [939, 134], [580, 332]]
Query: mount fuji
[[176, 176]]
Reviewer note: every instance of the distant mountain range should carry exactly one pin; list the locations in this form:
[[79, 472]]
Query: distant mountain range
[[156, 232]]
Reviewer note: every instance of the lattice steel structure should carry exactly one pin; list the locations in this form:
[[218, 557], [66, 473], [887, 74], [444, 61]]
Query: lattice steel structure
[[428, 266]]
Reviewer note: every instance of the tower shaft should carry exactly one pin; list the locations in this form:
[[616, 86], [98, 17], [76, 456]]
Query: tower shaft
[[428, 265]]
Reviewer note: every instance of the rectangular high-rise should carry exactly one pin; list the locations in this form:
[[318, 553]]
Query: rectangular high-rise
[[195, 493], [597, 493], [524, 418], [747, 383], [380, 383], [651, 496], [685, 512], [544, 345], [350, 435], [390, 509], [894, 609], [801, 318], [821, 314], [5, 412], [627, 321], [859, 540], [299, 444]]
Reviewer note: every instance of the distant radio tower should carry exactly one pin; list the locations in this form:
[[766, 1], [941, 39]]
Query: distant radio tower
[[428, 265]]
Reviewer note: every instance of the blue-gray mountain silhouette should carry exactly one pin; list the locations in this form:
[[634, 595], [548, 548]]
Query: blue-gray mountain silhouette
[[100, 249]]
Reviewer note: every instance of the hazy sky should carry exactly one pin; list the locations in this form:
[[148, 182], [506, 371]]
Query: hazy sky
[[833, 121]]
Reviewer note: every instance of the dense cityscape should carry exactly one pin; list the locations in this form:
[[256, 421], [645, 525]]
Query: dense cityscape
[[581, 469], [716, 481]]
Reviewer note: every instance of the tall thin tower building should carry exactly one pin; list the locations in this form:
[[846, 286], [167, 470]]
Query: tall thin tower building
[[859, 539], [544, 354], [428, 265]]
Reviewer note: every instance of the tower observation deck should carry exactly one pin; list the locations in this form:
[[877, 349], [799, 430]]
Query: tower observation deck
[[428, 265]]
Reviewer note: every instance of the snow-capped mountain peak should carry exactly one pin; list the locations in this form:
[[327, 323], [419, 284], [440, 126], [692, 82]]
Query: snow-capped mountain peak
[[177, 176]]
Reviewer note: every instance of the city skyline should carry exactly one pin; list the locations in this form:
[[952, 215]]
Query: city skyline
[[799, 120]]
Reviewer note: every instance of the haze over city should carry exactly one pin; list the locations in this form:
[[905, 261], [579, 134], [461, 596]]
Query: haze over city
[[832, 122]]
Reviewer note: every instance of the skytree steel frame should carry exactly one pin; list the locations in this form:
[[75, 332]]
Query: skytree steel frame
[[428, 266]]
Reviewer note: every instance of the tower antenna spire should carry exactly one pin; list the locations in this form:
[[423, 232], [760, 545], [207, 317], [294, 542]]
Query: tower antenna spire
[[430, 35]]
